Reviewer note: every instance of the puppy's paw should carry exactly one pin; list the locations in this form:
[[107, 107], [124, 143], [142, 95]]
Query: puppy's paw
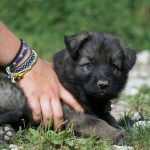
[[119, 137], [6, 132]]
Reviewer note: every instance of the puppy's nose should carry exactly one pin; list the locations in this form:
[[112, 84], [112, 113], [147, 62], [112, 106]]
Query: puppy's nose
[[102, 84]]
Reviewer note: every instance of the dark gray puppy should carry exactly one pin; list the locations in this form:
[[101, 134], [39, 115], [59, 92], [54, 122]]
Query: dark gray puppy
[[94, 68], [13, 108]]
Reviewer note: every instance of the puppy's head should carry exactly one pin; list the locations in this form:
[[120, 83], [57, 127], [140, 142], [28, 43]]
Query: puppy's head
[[99, 63]]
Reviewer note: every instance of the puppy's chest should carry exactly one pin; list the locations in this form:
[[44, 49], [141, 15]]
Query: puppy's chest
[[98, 107]]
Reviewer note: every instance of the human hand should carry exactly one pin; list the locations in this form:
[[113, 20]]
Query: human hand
[[44, 91], [40, 84]]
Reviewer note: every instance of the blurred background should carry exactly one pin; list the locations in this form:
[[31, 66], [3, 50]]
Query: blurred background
[[43, 23]]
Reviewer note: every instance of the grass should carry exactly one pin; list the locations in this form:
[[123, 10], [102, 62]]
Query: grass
[[44, 23], [138, 137], [46, 139], [39, 139]]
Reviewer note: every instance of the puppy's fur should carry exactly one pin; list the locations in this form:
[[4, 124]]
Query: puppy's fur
[[94, 68]]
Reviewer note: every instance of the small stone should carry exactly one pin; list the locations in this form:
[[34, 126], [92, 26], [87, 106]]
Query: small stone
[[136, 115], [13, 147], [142, 124], [143, 57], [116, 147]]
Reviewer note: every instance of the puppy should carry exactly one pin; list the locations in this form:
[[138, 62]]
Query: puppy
[[13, 108], [94, 68]]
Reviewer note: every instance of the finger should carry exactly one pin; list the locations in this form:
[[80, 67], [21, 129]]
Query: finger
[[70, 100], [57, 113], [47, 111], [36, 110]]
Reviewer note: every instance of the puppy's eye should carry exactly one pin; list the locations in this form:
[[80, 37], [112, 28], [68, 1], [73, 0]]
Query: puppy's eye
[[115, 68], [89, 64]]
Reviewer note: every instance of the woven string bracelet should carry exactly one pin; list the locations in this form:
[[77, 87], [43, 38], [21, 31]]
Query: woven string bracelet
[[27, 63], [15, 72], [18, 72], [20, 55]]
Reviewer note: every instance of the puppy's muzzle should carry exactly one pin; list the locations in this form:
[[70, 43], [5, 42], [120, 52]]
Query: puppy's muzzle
[[102, 84]]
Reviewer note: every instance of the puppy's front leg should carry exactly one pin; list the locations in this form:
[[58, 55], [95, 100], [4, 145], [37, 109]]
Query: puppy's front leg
[[89, 125], [110, 119]]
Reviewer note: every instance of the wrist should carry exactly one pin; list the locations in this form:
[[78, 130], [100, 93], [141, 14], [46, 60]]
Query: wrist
[[9, 45], [23, 62], [10, 52]]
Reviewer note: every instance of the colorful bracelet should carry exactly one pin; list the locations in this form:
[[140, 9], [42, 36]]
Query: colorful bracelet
[[20, 55], [19, 71], [15, 72]]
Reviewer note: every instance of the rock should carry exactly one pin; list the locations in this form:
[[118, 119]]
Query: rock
[[143, 57], [116, 147], [142, 124], [121, 108], [13, 147], [139, 75], [135, 84]]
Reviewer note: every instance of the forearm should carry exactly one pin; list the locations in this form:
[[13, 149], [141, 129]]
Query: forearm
[[40, 85], [9, 45]]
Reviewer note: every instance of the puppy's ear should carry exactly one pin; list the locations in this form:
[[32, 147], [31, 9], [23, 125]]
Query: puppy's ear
[[75, 42], [130, 59]]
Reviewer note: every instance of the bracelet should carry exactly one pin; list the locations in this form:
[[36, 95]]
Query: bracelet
[[20, 49], [23, 49], [27, 63], [21, 54], [18, 72], [15, 72]]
